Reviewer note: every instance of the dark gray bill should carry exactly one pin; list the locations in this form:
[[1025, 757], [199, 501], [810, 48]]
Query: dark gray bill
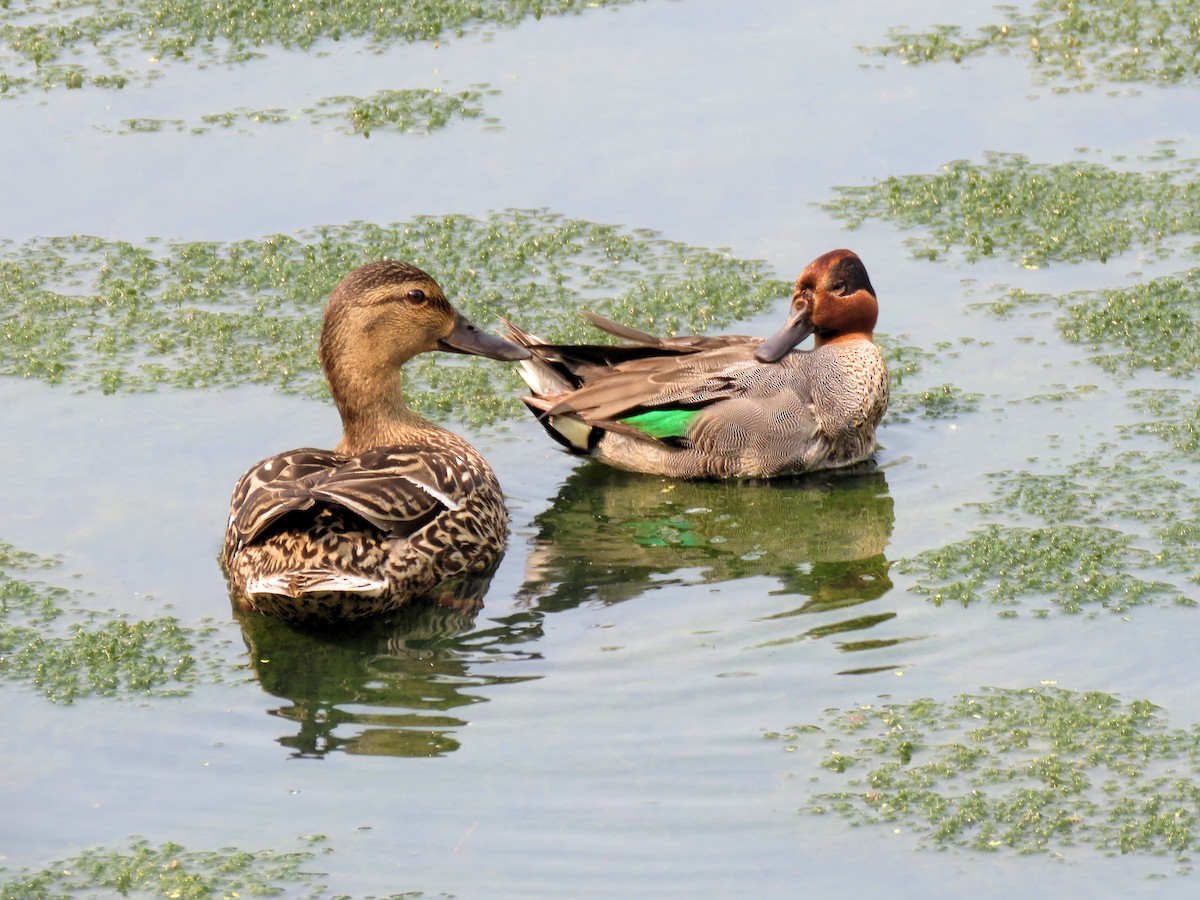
[[799, 326], [467, 338]]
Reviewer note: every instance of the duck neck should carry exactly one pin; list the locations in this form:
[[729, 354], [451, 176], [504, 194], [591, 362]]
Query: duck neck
[[821, 340], [374, 413]]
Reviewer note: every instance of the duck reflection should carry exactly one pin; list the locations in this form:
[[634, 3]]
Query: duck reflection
[[401, 685], [610, 536], [387, 687]]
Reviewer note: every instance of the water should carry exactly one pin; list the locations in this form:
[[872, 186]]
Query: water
[[598, 728]]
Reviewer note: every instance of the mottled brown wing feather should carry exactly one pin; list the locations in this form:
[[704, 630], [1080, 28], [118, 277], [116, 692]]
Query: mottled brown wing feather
[[397, 489], [269, 490]]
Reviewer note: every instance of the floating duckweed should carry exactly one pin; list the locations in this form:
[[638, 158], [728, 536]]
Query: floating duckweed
[[414, 110], [1073, 566], [65, 652], [14, 559], [941, 402], [1131, 488], [1130, 492], [115, 316], [1073, 43], [35, 39], [168, 870], [417, 111], [1031, 213], [1059, 394], [1149, 325], [1032, 771], [1173, 416]]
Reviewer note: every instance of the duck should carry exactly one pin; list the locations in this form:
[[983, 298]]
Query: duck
[[723, 406], [401, 506]]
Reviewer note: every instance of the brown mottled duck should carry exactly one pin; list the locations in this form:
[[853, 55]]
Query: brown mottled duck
[[400, 506]]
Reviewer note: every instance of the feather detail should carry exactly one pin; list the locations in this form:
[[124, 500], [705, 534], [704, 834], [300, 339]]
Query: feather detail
[[401, 507], [724, 406]]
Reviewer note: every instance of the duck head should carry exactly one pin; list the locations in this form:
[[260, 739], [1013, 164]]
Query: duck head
[[833, 300], [379, 317], [384, 313]]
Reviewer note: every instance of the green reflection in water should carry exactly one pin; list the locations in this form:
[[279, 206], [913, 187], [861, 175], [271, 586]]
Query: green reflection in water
[[611, 536], [1072, 44], [1037, 770], [169, 870], [50, 642], [87, 43], [1033, 213]]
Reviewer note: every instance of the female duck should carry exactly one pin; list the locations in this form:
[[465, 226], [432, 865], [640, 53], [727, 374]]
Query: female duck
[[400, 505], [727, 406]]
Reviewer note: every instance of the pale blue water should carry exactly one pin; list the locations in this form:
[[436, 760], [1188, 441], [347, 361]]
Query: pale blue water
[[595, 732]]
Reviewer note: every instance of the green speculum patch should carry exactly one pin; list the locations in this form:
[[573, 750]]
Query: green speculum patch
[[1032, 771], [117, 316], [86, 43], [1073, 43], [1032, 213]]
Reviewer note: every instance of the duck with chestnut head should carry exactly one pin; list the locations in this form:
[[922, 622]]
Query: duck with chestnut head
[[724, 406]]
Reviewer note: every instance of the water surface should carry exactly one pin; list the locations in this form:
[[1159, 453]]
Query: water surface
[[598, 728]]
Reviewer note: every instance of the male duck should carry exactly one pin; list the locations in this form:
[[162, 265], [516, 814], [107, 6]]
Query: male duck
[[400, 504], [726, 406]]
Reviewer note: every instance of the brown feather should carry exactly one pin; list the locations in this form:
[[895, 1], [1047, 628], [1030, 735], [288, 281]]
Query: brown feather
[[401, 506]]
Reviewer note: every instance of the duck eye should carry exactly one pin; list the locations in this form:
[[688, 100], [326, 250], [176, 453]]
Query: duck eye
[[839, 287], [416, 295]]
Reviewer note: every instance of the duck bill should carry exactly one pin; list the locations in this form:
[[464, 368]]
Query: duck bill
[[799, 326], [466, 337]]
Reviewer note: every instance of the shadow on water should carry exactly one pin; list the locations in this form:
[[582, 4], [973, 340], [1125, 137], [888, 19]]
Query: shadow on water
[[400, 685]]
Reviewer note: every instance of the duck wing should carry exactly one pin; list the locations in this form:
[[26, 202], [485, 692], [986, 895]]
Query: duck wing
[[691, 380], [397, 489]]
